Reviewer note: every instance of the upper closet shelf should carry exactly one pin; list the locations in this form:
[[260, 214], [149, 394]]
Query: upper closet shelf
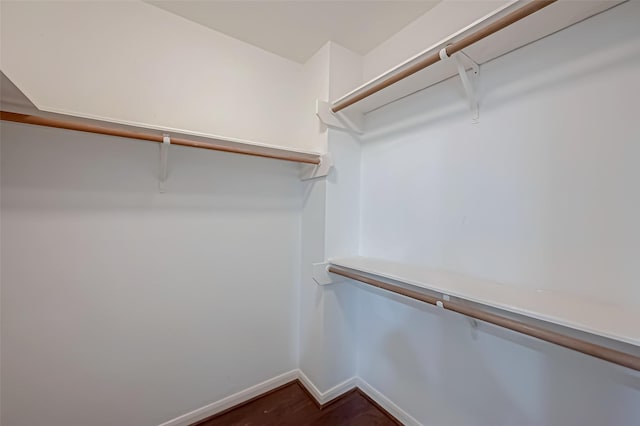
[[159, 135], [17, 107], [609, 321], [544, 18]]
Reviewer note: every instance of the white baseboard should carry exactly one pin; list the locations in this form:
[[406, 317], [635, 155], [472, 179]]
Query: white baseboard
[[232, 400], [324, 397], [321, 397], [386, 403]]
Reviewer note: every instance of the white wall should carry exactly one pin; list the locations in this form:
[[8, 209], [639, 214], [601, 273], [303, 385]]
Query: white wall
[[541, 193], [260, 202], [538, 194], [130, 61], [311, 308], [442, 20], [327, 315], [124, 306]]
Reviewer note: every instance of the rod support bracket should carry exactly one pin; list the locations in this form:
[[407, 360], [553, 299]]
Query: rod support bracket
[[164, 161], [469, 79], [322, 276], [342, 120], [315, 171]]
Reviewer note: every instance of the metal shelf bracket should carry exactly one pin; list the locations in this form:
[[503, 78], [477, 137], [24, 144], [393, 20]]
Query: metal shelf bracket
[[164, 161], [469, 79]]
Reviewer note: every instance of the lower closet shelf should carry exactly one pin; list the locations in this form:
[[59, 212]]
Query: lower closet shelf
[[613, 322]]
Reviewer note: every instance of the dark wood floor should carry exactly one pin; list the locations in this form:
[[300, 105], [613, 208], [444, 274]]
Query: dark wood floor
[[291, 405]]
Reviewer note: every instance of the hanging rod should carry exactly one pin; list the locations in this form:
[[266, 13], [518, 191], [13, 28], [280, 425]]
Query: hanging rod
[[585, 347], [465, 42], [113, 131]]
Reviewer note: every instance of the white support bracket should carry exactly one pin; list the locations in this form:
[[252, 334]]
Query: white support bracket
[[350, 122], [322, 276], [469, 80], [164, 161], [314, 171], [472, 321]]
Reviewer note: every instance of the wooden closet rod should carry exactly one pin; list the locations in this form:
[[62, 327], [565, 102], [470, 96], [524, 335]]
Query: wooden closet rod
[[611, 355], [501, 23], [91, 128]]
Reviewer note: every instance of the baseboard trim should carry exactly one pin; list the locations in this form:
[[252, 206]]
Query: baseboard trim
[[234, 400], [321, 398], [386, 404]]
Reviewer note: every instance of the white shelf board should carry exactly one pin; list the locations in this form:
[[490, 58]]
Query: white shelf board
[[182, 133], [547, 21], [13, 99], [610, 321]]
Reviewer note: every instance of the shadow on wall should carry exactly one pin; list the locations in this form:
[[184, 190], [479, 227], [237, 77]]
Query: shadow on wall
[[435, 364], [571, 380], [96, 171], [545, 64], [565, 379], [440, 368]]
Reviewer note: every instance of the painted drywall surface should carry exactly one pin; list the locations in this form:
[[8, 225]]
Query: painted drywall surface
[[442, 20], [312, 349], [443, 372], [343, 196], [121, 305], [316, 86], [541, 193], [311, 330], [330, 228], [341, 228], [338, 314], [345, 70], [134, 62]]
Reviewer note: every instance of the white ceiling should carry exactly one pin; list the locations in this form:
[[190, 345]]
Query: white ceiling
[[296, 29]]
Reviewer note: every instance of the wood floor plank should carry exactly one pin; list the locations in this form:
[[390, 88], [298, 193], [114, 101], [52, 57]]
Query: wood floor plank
[[292, 406], [353, 410]]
